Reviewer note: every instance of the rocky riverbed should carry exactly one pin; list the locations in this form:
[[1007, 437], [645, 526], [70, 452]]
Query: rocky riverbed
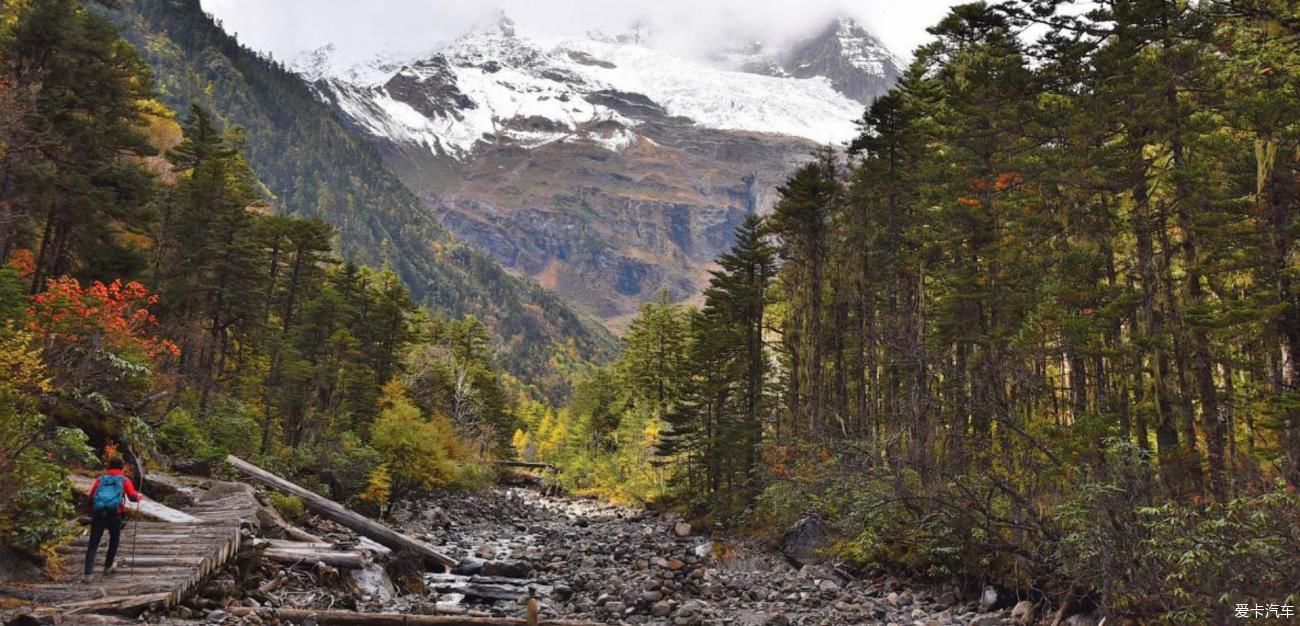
[[590, 560]]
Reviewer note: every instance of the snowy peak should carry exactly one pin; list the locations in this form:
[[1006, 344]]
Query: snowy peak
[[498, 85], [848, 54], [494, 44], [324, 63], [313, 65]]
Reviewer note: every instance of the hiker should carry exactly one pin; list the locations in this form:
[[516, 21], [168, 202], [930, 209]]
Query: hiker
[[108, 507]]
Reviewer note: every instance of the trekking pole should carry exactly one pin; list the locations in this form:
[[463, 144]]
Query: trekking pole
[[135, 531]]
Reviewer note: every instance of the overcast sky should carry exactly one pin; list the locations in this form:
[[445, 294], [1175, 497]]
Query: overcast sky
[[361, 28]]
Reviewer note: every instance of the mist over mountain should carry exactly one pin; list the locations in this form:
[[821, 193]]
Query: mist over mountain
[[683, 28]]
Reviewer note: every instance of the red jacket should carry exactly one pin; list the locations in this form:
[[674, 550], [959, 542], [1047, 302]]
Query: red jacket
[[127, 486]]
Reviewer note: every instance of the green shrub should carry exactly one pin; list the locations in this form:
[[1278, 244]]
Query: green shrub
[[35, 518], [291, 508], [1177, 562], [182, 437], [71, 447]]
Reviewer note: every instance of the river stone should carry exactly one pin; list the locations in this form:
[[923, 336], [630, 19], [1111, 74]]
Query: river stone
[[661, 609], [469, 566], [1023, 613], [507, 569], [683, 529], [989, 598], [805, 539]]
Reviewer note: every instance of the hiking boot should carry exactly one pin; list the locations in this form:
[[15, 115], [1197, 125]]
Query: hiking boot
[[109, 568], [86, 579]]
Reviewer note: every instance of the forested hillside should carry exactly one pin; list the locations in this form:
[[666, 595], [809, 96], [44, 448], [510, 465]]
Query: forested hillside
[[152, 306], [1038, 330], [313, 167]]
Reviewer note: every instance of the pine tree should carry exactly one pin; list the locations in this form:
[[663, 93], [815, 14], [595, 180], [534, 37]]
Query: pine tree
[[86, 115], [800, 222]]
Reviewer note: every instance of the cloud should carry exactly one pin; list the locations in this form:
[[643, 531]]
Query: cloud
[[285, 28]]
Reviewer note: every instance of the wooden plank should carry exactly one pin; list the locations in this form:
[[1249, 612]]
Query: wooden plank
[[171, 560], [334, 511], [117, 604]]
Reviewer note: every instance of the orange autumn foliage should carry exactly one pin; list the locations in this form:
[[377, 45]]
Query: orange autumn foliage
[[116, 314], [1008, 180], [23, 262]]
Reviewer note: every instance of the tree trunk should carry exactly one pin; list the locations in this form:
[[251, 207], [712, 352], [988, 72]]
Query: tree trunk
[[334, 511]]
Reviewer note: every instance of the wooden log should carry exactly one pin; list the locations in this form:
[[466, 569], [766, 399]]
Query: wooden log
[[377, 548], [528, 464], [351, 618], [281, 577], [308, 556], [150, 509], [336, 512], [293, 532]]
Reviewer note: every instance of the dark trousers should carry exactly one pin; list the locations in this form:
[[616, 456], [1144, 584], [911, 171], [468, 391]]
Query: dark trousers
[[103, 520]]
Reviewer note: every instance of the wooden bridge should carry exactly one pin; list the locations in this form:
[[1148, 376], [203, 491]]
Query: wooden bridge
[[171, 559]]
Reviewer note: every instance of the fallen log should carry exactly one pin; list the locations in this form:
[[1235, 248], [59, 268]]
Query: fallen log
[[351, 618], [150, 509], [528, 464], [338, 513], [281, 577], [294, 532], [307, 556], [311, 553]]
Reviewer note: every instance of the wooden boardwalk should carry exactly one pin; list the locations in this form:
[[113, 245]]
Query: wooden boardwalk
[[171, 560]]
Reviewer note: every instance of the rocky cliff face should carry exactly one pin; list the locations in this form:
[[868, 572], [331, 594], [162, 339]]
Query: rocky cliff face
[[856, 63], [603, 168]]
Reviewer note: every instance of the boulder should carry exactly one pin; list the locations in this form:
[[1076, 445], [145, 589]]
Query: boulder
[[804, 541], [469, 566], [14, 567], [1023, 613], [193, 467], [507, 569], [1083, 619], [170, 491], [373, 581], [989, 598]]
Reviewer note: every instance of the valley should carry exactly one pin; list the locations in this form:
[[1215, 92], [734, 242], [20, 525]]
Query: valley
[[604, 169]]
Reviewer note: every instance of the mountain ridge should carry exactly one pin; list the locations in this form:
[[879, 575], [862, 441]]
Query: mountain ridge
[[318, 168], [601, 167]]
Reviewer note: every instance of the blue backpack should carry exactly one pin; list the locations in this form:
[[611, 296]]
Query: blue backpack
[[108, 496]]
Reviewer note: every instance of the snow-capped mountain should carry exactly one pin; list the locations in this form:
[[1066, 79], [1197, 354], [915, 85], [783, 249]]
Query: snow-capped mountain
[[857, 64], [478, 88], [844, 52], [602, 167]]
